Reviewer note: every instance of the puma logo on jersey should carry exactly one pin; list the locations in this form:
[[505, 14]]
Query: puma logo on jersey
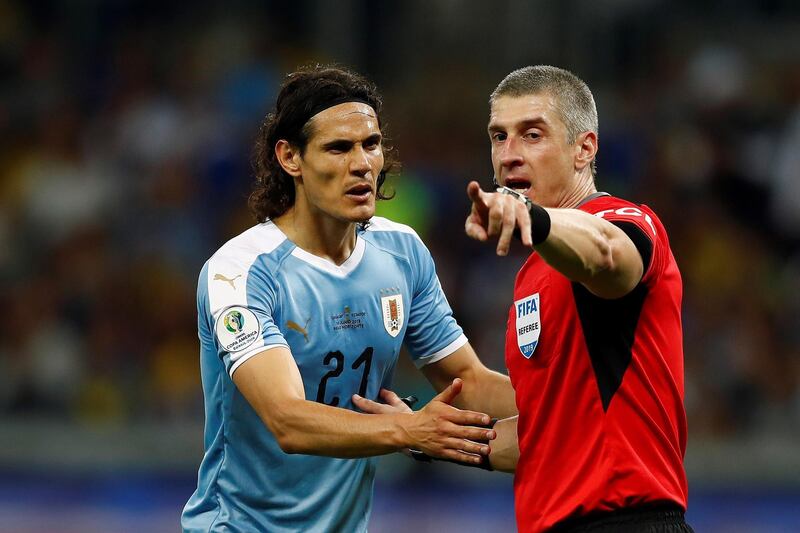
[[220, 277], [291, 324]]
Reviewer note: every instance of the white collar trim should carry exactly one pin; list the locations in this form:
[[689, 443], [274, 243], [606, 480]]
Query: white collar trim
[[325, 265]]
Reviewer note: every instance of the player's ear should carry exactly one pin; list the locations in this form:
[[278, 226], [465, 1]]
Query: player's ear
[[288, 157], [585, 149]]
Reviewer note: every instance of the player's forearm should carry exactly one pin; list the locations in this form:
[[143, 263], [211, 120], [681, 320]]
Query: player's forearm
[[312, 428], [505, 448], [487, 391]]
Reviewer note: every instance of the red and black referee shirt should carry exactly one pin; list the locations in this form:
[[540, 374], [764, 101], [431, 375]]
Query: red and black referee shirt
[[599, 383]]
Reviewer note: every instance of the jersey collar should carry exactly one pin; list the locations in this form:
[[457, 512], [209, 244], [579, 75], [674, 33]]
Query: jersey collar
[[340, 271], [591, 197]]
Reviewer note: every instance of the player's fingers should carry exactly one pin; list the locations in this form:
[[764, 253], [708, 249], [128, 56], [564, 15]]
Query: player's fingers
[[461, 457], [392, 398], [524, 223], [468, 446], [463, 445], [389, 396], [370, 407], [507, 229], [471, 447], [466, 418], [449, 394], [476, 434]]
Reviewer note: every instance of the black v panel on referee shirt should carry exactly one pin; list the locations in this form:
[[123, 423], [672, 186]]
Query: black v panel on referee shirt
[[609, 326]]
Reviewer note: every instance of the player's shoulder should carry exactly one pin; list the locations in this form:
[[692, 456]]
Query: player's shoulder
[[392, 235], [240, 253], [381, 225]]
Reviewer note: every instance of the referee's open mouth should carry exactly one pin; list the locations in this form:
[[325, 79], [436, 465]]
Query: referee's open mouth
[[359, 193], [521, 185]]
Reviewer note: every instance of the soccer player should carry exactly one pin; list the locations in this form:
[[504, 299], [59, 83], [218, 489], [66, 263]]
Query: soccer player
[[305, 313], [594, 340]]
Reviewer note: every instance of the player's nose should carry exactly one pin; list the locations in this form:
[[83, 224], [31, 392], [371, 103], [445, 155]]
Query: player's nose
[[359, 161]]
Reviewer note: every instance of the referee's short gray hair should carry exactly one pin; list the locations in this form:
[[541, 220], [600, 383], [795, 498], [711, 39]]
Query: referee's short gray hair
[[575, 101]]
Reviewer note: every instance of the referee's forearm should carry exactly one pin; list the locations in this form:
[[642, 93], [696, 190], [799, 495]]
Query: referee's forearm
[[488, 392], [505, 448]]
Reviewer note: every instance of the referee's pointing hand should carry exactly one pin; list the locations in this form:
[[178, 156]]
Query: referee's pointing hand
[[496, 214]]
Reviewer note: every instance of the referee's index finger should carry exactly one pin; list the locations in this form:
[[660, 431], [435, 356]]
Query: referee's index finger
[[476, 194]]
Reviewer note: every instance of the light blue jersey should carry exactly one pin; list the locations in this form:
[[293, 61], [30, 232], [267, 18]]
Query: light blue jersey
[[344, 326]]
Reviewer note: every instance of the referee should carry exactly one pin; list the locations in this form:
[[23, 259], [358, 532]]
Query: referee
[[594, 344]]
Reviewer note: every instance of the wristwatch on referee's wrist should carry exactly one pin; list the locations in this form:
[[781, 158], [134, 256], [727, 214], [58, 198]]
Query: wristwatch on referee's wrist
[[518, 195], [540, 219]]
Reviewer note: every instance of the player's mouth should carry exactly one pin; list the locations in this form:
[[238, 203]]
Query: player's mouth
[[359, 193], [521, 185]]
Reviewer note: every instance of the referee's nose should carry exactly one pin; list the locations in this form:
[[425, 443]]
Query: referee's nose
[[509, 154]]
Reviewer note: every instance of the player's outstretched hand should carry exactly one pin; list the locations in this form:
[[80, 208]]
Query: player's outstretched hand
[[392, 404], [495, 214], [442, 431]]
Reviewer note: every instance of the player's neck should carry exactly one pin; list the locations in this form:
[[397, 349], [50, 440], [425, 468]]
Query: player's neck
[[319, 234]]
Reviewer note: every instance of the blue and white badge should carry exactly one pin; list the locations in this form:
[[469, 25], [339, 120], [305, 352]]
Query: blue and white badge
[[528, 324]]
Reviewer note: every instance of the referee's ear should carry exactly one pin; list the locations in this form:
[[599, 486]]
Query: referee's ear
[[585, 149], [288, 157]]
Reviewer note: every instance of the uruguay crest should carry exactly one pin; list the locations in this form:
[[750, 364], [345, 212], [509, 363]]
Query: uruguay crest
[[392, 307], [528, 324]]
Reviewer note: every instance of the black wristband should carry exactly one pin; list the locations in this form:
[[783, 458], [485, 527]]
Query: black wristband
[[540, 224], [410, 401], [540, 219]]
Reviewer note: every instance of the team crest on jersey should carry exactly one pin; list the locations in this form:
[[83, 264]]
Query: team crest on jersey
[[392, 307], [528, 324], [237, 328]]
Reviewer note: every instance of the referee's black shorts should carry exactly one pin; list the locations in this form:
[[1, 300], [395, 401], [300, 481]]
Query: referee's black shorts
[[647, 519]]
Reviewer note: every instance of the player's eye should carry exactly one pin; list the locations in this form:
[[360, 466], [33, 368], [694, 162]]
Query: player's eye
[[532, 135], [338, 147], [498, 136]]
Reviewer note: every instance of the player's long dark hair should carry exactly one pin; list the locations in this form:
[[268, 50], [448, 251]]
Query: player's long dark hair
[[304, 91]]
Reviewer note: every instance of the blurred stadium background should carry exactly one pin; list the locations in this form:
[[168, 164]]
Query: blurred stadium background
[[125, 132]]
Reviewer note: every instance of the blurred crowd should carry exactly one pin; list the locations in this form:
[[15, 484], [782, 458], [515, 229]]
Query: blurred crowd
[[125, 135]]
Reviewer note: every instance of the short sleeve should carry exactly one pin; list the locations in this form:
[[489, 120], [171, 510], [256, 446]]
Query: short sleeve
[[433, 332], [638, 223], [241, 300]]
